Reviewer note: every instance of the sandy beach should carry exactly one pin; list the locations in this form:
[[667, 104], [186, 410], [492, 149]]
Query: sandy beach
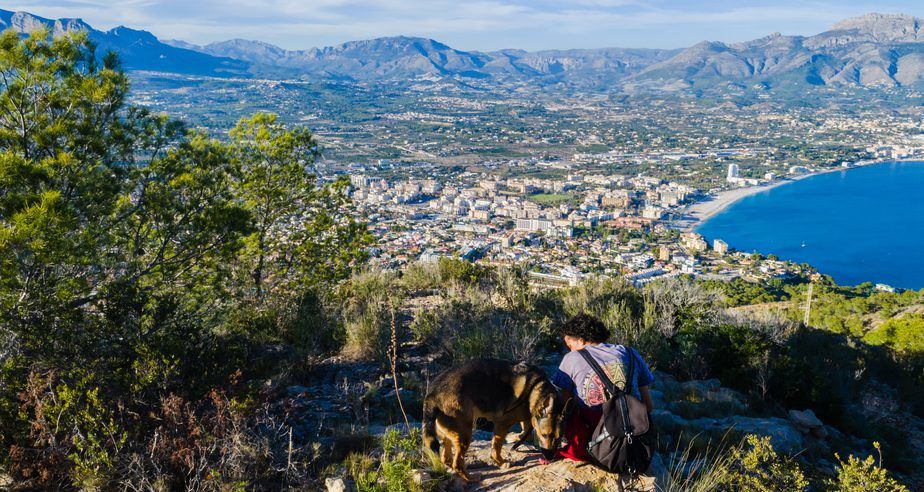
[[699, 212]]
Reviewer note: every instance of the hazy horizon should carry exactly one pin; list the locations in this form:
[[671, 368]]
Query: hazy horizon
[[485, 25]]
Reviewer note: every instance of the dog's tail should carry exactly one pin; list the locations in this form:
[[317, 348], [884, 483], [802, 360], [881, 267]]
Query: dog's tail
[[431, 412]]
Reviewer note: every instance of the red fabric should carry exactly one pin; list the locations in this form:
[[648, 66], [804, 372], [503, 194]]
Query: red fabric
[[577, 431]]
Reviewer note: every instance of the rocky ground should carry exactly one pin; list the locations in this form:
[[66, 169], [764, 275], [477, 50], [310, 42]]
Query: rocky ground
[[347, 404], [524, 473]]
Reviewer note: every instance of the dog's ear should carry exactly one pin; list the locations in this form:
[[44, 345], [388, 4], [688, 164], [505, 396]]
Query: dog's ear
[[550, 405]]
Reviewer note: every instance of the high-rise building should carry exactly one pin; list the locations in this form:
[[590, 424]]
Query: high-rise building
[[720, 246], [732, 172]]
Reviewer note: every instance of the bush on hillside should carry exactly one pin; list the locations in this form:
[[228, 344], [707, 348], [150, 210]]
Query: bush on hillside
[[755, 466], [369, 304], [856, 475], [904, 335], [613, 301], [389, 469], [504, 319], [421, 276]]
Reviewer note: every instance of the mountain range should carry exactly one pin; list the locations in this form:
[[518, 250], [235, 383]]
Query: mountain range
[[883, 50]]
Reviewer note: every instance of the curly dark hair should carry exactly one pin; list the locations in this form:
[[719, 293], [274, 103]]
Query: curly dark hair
[[585, 327]]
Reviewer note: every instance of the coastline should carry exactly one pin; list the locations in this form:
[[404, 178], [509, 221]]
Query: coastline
[[703, 210]]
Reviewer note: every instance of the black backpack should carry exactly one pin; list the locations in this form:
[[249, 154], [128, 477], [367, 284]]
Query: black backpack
[[621, 442]]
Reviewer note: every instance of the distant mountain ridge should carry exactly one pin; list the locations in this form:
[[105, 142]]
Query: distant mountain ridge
[[871, 50], [884, 50], [139, 50]]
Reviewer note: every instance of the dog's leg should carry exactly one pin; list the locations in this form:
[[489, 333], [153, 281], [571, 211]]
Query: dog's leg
[[461, 439], [527, 426], [497, 443], [445, 444], [446, 453]]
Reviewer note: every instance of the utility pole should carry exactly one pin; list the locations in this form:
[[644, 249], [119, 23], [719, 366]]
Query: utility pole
[[808, 304]]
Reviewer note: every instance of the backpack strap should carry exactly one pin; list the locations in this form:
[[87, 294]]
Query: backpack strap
[[607, 382], [630, 379]]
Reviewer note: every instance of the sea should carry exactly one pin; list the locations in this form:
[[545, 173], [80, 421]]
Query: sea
[[864, 224]]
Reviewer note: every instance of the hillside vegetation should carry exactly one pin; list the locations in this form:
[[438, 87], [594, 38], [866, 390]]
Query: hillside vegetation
[[182, 312]]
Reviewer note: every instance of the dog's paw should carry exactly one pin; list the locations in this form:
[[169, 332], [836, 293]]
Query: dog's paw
[[512, 438], [464, 476]]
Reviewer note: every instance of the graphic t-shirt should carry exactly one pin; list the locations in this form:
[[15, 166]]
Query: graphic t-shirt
[[576, 375]]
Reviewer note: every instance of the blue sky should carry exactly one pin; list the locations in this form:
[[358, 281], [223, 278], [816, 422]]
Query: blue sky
[[475, 24]]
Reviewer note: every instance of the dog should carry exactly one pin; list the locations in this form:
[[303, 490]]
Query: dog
[[502, 392]]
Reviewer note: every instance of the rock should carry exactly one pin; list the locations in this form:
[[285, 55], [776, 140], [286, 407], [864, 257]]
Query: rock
[[420, 477], [700, 398], [819, 432], [523, 473], [482, 435], [784, 437], [826, 468], [406, 395], [806, 419], [665, 421], [657, 397], [711, 384], [658, 470], [338, 484]]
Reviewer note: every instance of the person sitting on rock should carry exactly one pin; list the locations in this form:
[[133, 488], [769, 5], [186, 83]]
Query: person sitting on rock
[[575, 376]]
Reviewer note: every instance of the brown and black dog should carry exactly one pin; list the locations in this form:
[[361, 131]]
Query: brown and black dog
[[502, 392]]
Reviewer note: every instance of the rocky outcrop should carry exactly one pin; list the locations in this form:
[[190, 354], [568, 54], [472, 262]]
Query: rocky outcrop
[[524, 473], [346, 403], [704, 410], [808, 423]]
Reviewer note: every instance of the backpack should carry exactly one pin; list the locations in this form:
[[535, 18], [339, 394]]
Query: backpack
[[621, 442]]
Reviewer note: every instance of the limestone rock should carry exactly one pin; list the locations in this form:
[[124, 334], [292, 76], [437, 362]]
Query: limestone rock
[[785, 438], [420, 477], [524, 473], [338, 484], [666, 422], [819, 432], [806, 419]]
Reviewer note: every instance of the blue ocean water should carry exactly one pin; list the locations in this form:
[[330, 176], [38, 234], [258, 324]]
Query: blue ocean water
[[857, 225]]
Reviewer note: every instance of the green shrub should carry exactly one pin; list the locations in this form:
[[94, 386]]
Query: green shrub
[[369, 300], [399, 455], [613, 301], [904, 334], [71, 420], [422, 275], [505, 320], [755, 466], [856, 475], [455, 270], [679, 302]]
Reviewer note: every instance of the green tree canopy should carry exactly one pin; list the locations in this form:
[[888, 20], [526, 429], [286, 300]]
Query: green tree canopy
[[128, 245]]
